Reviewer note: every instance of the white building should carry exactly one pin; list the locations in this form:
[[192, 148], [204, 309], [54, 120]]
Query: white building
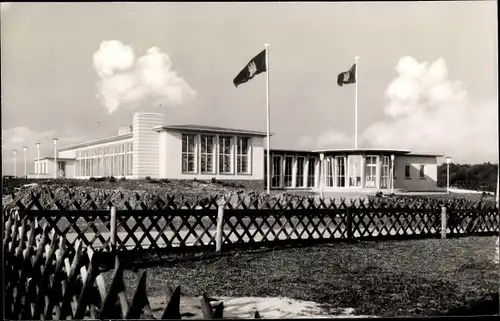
[[150, 149]]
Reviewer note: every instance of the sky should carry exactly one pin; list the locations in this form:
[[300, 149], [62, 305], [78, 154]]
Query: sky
[[427, 73]]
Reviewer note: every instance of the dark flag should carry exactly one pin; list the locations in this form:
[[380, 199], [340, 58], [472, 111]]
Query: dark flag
[[347, 77], [256, 66]]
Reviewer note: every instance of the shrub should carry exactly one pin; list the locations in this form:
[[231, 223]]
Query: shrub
[[148, 178], [123, 178], [111, 179], [164, 180], [379, 194]]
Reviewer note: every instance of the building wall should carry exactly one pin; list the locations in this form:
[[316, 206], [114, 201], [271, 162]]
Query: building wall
[[170, 158], [416, 183], [146, 142]]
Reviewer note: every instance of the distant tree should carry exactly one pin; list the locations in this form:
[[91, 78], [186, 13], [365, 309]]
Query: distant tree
[[478, 176]]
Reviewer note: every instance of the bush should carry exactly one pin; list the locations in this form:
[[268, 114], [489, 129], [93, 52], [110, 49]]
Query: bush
[[97, 179], [164, 180], [111, 179], [123, 178], [379, 194], [148, 178]]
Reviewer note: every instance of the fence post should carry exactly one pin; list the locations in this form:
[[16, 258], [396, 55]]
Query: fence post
[[443, 222], [218, 233], [113, 230], [350, 235]]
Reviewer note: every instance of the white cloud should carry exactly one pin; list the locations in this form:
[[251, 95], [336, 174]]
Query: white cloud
[[126, 81], [427, 112]]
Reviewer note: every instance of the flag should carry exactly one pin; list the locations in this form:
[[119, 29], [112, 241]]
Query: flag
[[256, 66], [347, 77]]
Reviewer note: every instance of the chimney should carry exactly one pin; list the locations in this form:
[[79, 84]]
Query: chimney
[[125, 130]]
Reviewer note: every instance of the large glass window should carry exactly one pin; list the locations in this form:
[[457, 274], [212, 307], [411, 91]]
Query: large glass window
[[225, 153], [301, 163], [329, 170], [207, 154], [354, 170], [188, 153], [243, 155], [340, 171], [371, 171], [311, 172], [288, 171], [385, 175], [276, 171]]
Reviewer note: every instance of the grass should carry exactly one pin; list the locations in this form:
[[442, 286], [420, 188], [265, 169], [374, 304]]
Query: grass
[[403, 278]]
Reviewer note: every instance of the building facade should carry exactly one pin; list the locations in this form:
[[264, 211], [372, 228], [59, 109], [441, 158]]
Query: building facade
[[147, 148]]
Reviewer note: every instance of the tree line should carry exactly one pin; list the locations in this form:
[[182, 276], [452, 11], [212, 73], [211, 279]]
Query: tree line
[[481, 177]]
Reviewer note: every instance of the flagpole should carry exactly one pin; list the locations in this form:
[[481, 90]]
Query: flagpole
[[268, 123], [356, 104]]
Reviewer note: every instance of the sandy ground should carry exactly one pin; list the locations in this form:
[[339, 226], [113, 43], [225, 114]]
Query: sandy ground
[[245, 307]]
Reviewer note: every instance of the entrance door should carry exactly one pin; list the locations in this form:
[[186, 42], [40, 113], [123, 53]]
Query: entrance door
[[61, 169], [276, 171], [371, 171], [340, 171]]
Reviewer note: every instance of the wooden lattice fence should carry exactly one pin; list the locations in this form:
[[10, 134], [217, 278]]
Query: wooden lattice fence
[[244, 220], [45, 281]]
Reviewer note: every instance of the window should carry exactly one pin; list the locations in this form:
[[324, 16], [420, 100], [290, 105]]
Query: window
[[188, 153], [407, 172], [288, 171], [301, 162], [422, 171], [276, 171], [130, 158], [384, 178], [225, 159], [371, 171], [311, 168], [329, 168], [207, 154], [340, 171], [243, 154]]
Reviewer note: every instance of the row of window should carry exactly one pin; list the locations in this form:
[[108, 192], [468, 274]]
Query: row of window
[[408, 171], [200, 152], [112, 160], [41, 168]]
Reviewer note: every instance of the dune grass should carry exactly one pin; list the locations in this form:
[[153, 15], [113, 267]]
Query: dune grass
[[393, 278]]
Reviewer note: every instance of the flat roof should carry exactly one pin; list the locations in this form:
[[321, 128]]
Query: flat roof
[[425, 155], [289, 150], [95, 142], [363, 150], [58, 158], [212, 129]]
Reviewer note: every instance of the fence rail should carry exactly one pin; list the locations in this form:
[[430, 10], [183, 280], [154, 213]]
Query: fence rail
[[243, 221]]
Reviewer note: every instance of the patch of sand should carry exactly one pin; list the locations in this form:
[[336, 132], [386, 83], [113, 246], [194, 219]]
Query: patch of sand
[[245, 307]]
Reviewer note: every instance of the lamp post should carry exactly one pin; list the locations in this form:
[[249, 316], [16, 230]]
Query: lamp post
[[15, 161], [25, 155], [392, 173], [322, 182], [38, 160], [55, 157], [448, 162]]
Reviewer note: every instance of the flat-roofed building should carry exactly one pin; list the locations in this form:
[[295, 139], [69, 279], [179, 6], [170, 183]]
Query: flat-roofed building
[[148, 148]]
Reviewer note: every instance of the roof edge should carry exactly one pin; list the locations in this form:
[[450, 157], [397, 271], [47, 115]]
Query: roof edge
[[95, 142]]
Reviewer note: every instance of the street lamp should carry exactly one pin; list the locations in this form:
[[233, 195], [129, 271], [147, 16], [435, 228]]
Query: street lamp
[[38, 160], [15, 161], [25, 155], [448, 162], [55, 157], [322, 182], [392, 173]]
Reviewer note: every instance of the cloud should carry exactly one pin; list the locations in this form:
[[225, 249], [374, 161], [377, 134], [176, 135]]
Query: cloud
[[129, 82], [427, 112]]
